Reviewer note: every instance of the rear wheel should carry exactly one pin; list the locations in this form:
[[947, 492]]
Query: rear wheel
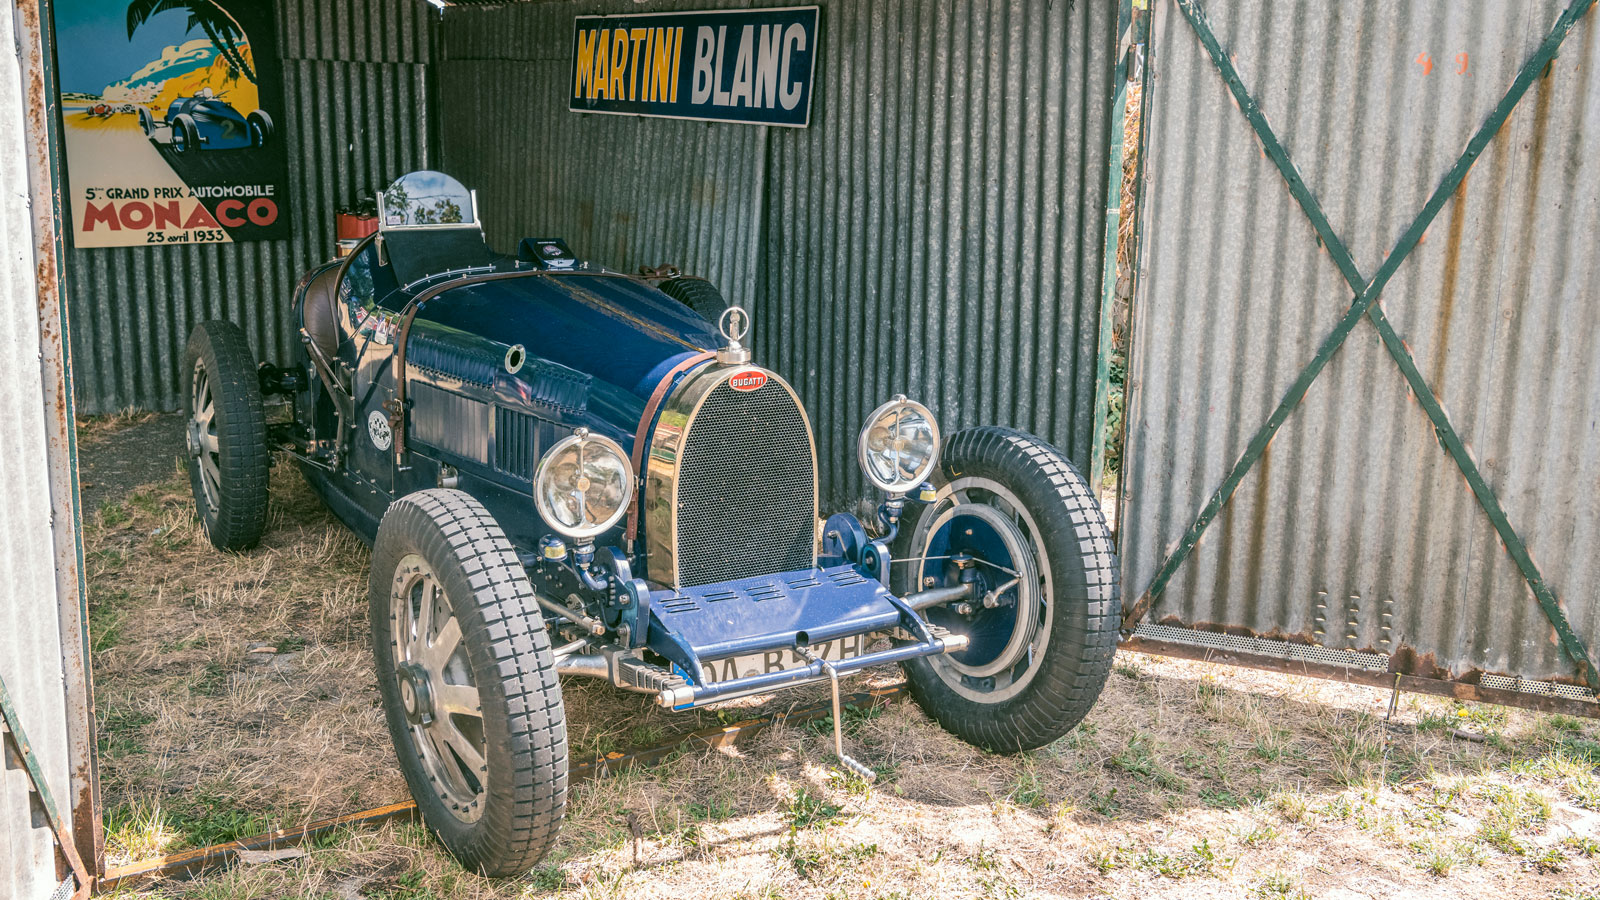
[[468, 682], [1015, 518], [698, 294], [260, 128], [226, 436]]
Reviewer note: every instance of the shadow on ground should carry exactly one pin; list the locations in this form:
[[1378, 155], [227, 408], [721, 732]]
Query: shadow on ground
[[235, 694]]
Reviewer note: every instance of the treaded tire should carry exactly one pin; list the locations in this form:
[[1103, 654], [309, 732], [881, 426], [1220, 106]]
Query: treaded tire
[[1084, 606], [235, 518], [510, 660], [698, 294]]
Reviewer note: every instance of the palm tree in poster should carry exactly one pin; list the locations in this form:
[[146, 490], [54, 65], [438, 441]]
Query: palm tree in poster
[[209, 16]]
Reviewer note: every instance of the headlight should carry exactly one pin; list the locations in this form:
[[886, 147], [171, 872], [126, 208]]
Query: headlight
[[583, 485], [900, 445]]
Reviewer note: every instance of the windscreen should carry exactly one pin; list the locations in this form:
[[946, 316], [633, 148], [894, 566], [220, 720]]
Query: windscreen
[[429, 227], [427, 198]]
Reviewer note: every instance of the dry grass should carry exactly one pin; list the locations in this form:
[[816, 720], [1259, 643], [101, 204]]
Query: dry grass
[[233, 691], [97, 428], [1188, 779]]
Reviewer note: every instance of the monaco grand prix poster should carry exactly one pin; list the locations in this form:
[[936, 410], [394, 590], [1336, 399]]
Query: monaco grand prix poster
[[172, 114]]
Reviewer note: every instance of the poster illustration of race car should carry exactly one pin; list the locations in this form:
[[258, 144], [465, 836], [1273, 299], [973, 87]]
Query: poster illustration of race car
[[170, 112], [206, 122]]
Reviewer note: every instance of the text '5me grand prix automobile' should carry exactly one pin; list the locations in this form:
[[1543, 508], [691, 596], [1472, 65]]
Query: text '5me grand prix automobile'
[[565, 470]]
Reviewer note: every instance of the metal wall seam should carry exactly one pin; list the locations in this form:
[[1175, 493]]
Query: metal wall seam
[[936, 231], [1355, 529], [356, 91]]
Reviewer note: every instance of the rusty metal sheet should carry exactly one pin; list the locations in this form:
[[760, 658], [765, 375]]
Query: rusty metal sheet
[[42, 651], [1354, 529]]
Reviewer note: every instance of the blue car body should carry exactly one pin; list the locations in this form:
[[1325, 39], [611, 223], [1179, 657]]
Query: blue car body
[[570, 471], [596, 346], [210, 123]]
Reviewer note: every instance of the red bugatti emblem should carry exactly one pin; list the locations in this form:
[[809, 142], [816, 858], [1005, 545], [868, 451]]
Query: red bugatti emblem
[[748, 381]]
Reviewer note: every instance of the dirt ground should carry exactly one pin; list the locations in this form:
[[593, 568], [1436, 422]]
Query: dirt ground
[[235, 694]]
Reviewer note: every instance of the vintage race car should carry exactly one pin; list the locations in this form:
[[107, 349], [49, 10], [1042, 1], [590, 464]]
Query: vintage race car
[[566, 470], [206, 122]]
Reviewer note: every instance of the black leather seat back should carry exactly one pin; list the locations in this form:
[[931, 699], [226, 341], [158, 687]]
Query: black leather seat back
[[320, 313]]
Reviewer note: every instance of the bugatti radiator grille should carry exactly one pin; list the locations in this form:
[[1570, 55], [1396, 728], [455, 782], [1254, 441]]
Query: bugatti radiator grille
[[747, 485]]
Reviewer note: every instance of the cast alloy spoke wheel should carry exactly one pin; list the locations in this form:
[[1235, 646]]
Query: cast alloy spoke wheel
[[436, 689], [1016, 519], [984, 519], [226, 436], [468, 682]]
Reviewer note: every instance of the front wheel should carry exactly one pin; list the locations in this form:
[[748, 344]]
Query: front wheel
[[468, 682], [1016, 519]]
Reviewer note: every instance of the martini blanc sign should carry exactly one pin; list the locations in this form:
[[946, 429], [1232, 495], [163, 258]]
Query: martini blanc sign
[[751, 65]]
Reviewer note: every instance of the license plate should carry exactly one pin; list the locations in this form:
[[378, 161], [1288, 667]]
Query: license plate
[[780, 660]]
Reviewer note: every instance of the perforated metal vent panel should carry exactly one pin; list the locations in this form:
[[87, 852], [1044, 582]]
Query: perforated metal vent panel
[[746, 488]]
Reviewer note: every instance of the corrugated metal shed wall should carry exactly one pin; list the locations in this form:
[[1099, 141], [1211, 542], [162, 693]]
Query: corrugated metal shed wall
[[356, 86], [936, 231], [1355, 505], [30, 623]]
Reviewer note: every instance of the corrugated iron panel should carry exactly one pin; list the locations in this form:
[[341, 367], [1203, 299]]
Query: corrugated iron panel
[[356, 87], [627, 192], [936, 231], [368, 31], [1355, 529], [31, 655]]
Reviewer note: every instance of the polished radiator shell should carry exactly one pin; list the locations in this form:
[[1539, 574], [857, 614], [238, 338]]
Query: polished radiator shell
[[731, 481]]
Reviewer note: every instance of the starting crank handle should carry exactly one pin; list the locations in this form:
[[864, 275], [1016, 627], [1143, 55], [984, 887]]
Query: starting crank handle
[[845, 759]]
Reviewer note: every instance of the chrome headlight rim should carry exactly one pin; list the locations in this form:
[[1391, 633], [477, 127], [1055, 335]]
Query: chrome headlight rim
[[897, 404], [581, 438]]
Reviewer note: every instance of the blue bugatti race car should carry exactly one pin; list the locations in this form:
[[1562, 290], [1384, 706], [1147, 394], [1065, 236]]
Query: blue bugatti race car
[[206, 122], [565, 470]]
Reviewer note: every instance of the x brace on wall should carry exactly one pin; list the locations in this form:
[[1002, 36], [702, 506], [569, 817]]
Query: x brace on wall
[[58, 825], [1367, 294]]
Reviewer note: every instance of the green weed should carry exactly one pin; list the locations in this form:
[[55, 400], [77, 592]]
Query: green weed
[[120, 730], [808, 810], [1026, 790], [208, 820], [113, 514], [1105, 804], [1139, 760], [1278, 886], [105, 618]]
